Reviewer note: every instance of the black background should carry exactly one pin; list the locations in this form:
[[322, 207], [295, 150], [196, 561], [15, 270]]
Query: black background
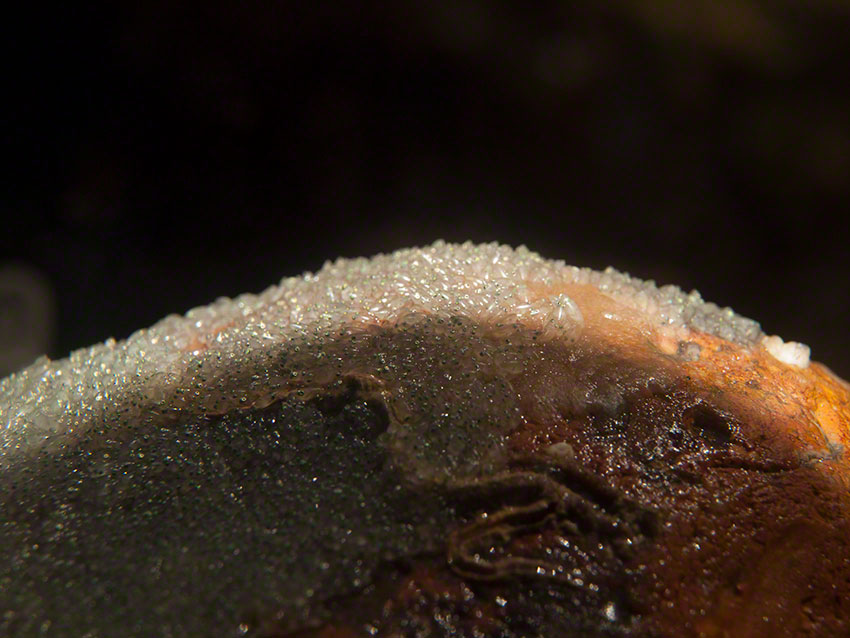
[[160, 156]]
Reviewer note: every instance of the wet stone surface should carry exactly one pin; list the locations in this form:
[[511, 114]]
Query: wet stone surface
[[208, 524], [442, 480]]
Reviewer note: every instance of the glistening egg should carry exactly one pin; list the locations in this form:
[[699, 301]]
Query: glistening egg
[[458, 440]]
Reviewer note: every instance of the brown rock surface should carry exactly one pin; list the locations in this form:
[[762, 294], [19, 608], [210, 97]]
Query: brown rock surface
[[532, 450]]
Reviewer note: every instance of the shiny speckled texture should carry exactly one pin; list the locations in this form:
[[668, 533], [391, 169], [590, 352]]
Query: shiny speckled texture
[[507, 447], [216, 357]]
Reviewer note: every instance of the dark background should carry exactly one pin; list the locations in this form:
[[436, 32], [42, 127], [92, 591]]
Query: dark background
[[155, 158]]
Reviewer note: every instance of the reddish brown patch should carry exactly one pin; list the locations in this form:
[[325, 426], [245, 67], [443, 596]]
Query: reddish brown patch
[[755, 534]]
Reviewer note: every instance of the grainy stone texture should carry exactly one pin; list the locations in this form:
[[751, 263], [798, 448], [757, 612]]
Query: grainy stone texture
[[450, 441]]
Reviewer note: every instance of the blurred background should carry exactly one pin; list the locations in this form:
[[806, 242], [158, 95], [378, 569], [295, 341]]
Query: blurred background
[[158, 156]]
